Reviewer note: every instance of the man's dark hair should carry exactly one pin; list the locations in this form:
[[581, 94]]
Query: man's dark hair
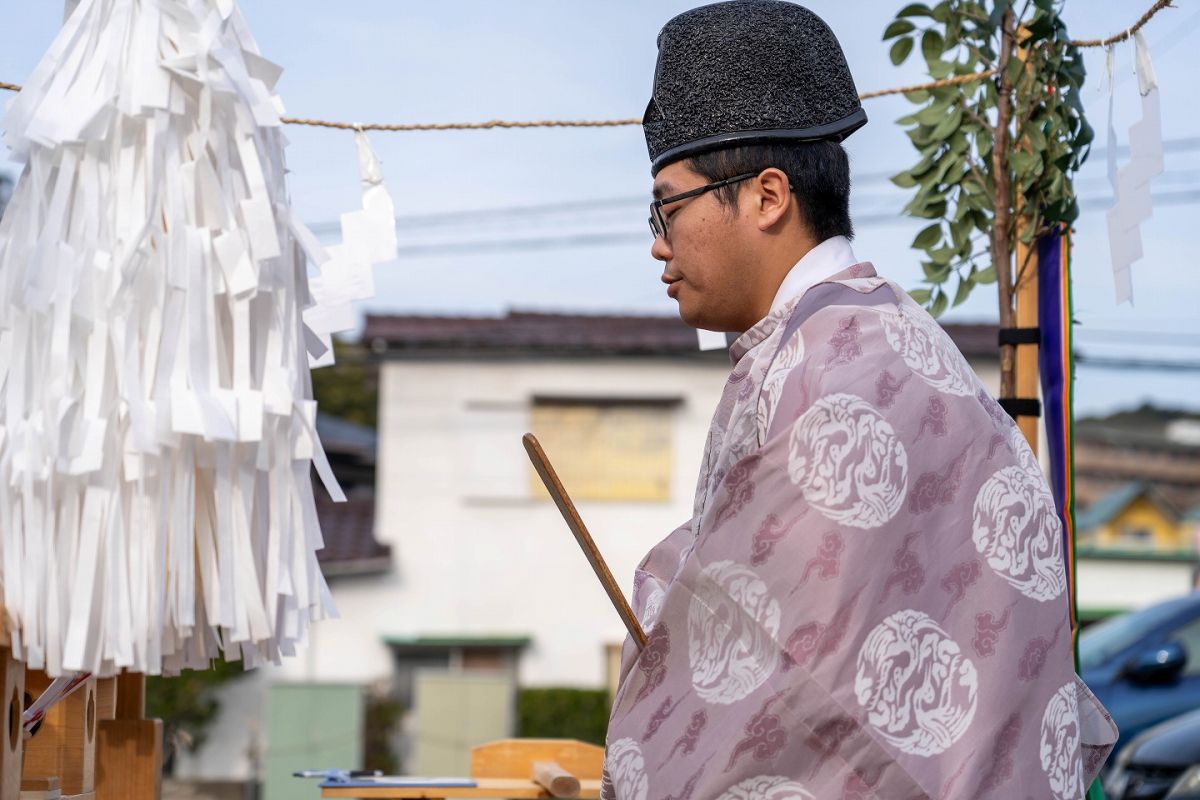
[[818, 171]]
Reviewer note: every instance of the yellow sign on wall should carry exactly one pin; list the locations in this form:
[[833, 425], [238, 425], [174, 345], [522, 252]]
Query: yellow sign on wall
[[606, 450]]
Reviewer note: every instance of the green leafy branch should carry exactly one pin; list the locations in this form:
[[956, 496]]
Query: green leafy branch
[[997, 155]]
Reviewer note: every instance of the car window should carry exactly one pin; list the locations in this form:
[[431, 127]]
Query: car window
[[1102, 641], [1189, 636]]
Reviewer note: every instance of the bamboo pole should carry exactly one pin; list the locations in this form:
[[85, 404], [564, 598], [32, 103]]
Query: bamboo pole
[[1026, 293], [1027, 317]]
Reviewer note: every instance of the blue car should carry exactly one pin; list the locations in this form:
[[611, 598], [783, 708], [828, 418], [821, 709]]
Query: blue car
[[1144, 666], [1162, 763]]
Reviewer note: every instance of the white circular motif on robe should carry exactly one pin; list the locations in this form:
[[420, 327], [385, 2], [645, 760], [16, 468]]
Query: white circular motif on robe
[[627, 770], [1062, 758], [918, 688], [1016, 528], [1024, 452], [733, 624], [653, 606], [928, 352], [848, 461], [739, 441], [767, 787], [788, 357]]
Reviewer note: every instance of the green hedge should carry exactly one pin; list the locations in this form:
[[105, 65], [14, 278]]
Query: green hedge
[[562, 713]]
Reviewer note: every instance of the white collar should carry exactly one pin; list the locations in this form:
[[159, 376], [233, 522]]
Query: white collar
[[824, 261]]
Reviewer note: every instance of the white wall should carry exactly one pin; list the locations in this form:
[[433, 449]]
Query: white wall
[[237, 731], [1129, 584], [472, 554]]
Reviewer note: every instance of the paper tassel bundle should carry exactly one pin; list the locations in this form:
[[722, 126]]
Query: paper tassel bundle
[[156, 414]]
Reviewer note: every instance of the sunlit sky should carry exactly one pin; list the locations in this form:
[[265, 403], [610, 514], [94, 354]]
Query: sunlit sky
[[401, 61]]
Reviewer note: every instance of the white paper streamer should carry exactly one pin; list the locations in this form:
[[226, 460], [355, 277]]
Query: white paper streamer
[[1131, 188], [368, 238], [711, 340], [156, 420]]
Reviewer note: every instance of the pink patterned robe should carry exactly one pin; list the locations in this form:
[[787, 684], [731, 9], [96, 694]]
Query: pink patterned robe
[[870, 600]]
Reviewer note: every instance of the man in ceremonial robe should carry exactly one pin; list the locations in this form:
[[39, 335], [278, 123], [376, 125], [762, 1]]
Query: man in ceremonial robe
[[871, 598]]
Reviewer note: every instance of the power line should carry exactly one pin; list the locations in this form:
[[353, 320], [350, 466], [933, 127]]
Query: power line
[[1138, 337], [496, 212], [524, 245], [447, 248], [1161, 199], [1142, 364], [477, 215], [1185, 144], [610, 238]]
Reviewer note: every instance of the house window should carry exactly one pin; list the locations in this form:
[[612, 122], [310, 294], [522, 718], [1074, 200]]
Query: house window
[[1135, 536], [606, 449]]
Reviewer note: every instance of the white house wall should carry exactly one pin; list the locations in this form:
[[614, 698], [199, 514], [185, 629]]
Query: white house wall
[[472, 554], [1129, 584]]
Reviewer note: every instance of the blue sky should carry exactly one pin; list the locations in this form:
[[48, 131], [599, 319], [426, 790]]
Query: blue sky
[[402, 61]]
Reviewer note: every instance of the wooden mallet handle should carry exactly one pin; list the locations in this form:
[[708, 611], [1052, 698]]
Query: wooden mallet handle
[[555, 780], [575, 523]]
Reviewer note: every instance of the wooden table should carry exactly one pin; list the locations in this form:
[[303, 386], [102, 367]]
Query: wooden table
[[493, 766], [487, 787]]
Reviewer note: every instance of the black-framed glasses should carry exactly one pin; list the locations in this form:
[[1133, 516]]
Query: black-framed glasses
[[658, 220]]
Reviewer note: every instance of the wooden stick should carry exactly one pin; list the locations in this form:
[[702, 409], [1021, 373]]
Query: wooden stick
[[556, 780], [550, 478]]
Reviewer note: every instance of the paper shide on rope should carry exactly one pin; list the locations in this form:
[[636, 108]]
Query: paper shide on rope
[[1131, 183], [157, 321]]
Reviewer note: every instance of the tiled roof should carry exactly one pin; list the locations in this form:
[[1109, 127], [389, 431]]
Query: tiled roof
[[442, 642], [349, 532], [1146, 427], [536, 333], [1140, 444]]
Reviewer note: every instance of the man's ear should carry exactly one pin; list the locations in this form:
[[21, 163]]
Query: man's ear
[[774, 197]]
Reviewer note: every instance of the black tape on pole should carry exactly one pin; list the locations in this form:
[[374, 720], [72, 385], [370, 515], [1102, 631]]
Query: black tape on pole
[[1020, 336], [1021, 406]]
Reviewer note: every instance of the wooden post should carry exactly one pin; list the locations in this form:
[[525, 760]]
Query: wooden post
[[129, 748], [65, 746], [1027, 317], [1025, 285], [12, 703]]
